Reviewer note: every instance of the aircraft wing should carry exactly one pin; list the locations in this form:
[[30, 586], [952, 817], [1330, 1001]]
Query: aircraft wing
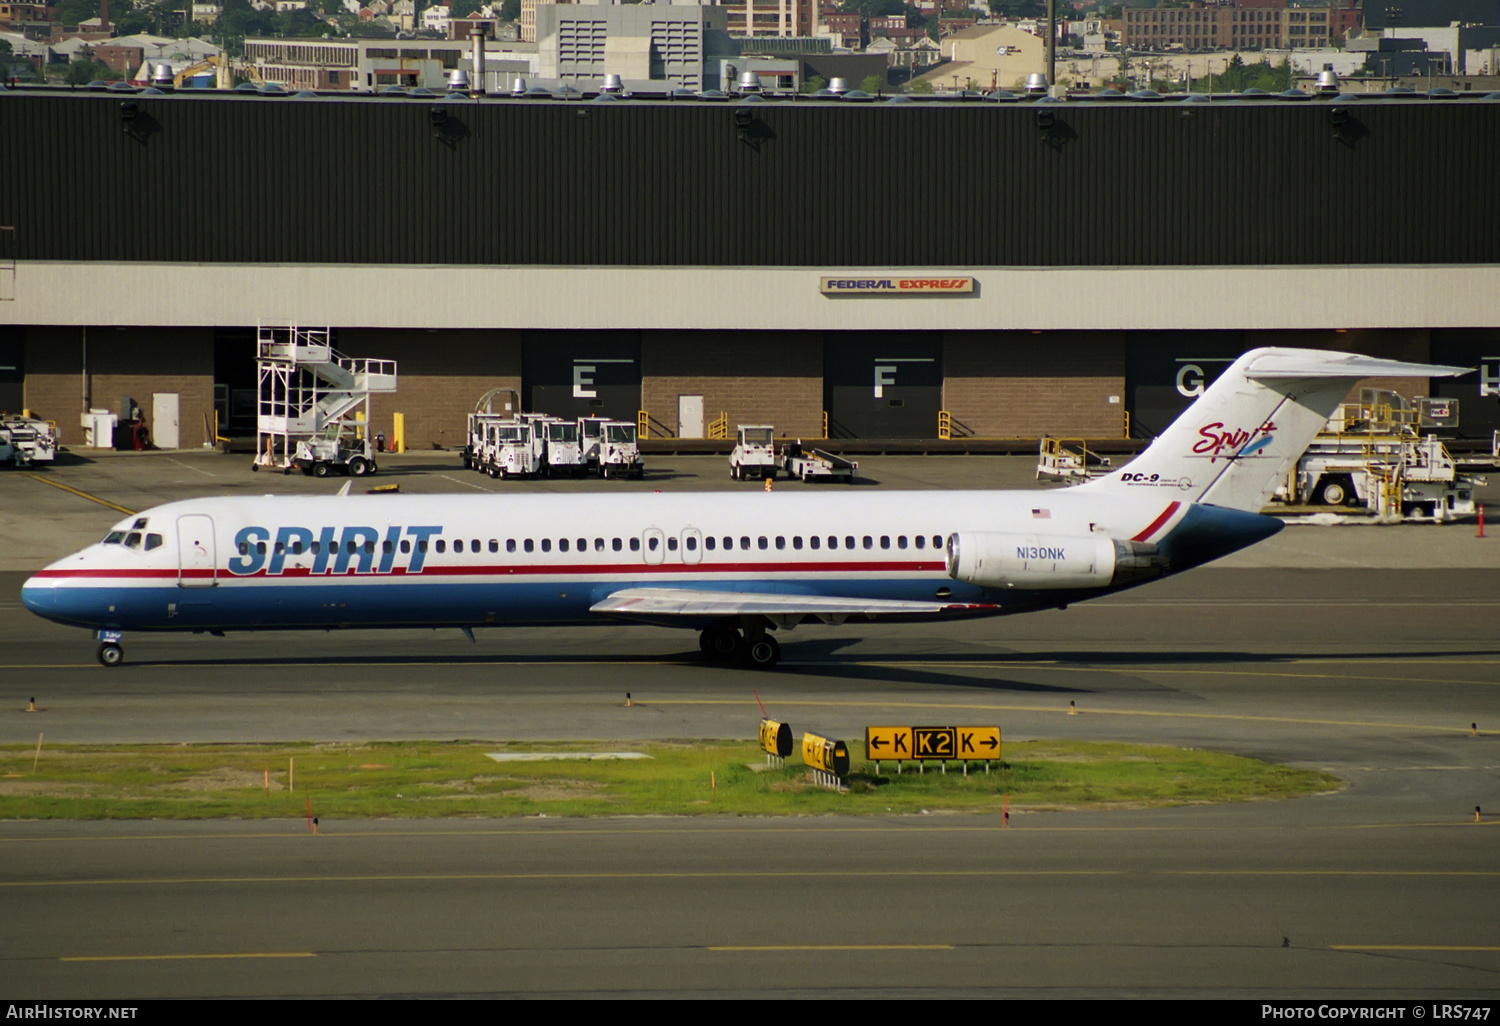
[[664, 604]]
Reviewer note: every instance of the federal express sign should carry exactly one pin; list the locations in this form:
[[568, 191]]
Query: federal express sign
[[896, 286]]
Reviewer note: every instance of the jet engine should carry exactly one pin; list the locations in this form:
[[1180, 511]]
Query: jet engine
[[995, 560]]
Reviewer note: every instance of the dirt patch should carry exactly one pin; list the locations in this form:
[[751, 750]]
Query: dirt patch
[[560, 790], [227, 778]]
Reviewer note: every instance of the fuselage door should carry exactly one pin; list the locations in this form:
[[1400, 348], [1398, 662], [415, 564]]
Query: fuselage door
[[653, 546], [692, 545], [197, 560]]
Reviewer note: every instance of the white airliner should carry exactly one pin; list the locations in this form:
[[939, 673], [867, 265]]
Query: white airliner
[[733, 566]]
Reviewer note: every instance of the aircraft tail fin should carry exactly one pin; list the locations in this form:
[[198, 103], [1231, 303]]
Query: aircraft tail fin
[[1237, 442]]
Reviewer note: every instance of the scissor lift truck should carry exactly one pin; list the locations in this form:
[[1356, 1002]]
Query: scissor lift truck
[[807, 464], [619, 453], [1068, 459], [754, 453]]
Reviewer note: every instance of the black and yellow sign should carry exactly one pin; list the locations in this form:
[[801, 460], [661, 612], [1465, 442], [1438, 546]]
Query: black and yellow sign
[[887, 743], [900, 744], [934, 742], [826, 754], [775, 738]]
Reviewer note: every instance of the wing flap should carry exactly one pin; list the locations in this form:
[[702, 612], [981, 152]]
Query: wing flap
[[692, 602]]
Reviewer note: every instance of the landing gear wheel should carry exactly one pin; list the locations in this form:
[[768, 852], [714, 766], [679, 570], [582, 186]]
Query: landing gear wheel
[[719, 643], [254, 468], [763, 652], [320, 469], [359, 466], [111, 654]]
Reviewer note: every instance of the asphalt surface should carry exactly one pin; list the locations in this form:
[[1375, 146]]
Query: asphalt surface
[[1364, 651]]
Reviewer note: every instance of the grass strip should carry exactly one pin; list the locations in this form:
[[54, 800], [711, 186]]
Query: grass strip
[[423, 779]]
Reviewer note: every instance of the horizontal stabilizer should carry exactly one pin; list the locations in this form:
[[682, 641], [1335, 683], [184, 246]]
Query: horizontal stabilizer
[[1280, 364]]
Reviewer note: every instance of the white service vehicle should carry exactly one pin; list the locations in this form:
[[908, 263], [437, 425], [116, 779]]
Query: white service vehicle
[[26, 440], [332, 453], [619, 453], [590, 437], [754, 453], [1372, 455], [564, 454], [511, 449], [806, 464]]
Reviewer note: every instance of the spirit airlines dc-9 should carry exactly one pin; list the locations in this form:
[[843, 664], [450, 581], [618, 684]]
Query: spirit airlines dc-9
[[734, 570]]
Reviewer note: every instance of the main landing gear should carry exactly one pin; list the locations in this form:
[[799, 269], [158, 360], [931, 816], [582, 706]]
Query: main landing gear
[[724, 643]]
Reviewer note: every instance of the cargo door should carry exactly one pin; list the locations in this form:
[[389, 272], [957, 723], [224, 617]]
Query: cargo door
[[197, 559], [880, 384]]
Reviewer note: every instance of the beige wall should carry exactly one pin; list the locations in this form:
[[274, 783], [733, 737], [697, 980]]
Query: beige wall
[[135, 362], [757, 377], [440, 375], [1016, 384]]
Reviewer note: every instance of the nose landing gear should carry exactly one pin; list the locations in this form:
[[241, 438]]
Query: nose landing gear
[[110, 652]]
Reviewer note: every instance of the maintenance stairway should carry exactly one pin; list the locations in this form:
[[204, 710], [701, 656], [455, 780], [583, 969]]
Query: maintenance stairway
[[313, 409]]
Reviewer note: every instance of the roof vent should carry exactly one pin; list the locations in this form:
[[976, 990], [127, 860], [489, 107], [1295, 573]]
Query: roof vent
[[458, 80], [1328, 83], [749, 82], [838, 87], [161, 75], [1036, 84], [518, 87], [612, 84]]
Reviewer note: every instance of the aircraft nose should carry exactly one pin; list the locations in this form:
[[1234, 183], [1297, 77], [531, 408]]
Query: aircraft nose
[[40, 600]]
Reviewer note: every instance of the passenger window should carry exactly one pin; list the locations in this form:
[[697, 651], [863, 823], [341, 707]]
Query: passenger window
[[796, 541], [635, 545], [317, 547], [279, 549], [244, 546], [546, 544], [530, 545], [708, 543], [921, 541], [901, 541], [369, 547], [598, 544], [744, 542], [458, 545], [813, 541], [692, 543], [386, 547], [405, 546], [153, 541], [937, 541], [885, 541], [562, 545], [421, 545], [495, 545], [510, 545], [869, 542], [615, 544], [672, 543], [474, 545], [780, 541], [849, 541], [763, 543], [651, 544], [442, 546], [583, 544], [833, 541]]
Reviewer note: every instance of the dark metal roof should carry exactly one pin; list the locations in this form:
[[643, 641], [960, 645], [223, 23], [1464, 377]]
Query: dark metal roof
[[398, 180]]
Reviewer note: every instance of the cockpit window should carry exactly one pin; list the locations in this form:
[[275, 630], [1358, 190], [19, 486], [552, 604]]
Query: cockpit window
[[139, 525], [153, 541], [133, 540], [114, 538]]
